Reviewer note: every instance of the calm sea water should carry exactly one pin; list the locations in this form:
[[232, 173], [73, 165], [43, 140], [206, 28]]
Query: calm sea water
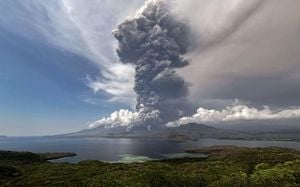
[[122, 149]]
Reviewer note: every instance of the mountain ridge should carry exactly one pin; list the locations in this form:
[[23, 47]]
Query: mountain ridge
[[191, 131], [186, 132]]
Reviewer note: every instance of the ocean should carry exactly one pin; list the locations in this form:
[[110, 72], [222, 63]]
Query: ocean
[[123, 149]]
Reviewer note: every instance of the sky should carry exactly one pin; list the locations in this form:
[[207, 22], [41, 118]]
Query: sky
[[60, 72], [49, 52]]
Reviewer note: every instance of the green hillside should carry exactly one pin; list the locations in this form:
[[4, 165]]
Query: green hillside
[[224, 166]]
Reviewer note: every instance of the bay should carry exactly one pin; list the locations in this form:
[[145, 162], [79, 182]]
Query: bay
[[124, 149]]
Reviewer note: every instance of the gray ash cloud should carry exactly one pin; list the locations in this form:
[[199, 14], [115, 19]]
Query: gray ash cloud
[[155, 41]]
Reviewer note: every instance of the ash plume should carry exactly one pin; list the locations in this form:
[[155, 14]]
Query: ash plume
[[155, 41]]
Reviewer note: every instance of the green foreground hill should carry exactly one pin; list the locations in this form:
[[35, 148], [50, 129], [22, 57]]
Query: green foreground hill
[[224, 166]]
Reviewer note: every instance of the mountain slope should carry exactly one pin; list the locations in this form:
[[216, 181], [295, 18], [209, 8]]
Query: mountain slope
[[185, 132]]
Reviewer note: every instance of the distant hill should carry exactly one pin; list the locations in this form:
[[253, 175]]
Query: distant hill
[[190, 131], [196, 131], [186, 132]]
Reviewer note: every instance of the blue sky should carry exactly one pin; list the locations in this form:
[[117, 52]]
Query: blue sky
[[43, 75], [43, 88], [59, 71]]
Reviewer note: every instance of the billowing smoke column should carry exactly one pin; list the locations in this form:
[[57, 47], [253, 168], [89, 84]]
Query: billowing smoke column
[[154, 41]]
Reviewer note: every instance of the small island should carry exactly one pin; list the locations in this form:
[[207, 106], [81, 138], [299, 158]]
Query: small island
[[224, 166], [54, 156]]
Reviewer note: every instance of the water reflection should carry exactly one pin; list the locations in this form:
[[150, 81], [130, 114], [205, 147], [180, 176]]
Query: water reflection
[[123, 149]]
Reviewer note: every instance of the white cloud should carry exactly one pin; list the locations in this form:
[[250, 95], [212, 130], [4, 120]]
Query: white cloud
[[237, 112], [126, 118], [118, 118], [118, 81], [95, 21], [81, 27], [248, 49]]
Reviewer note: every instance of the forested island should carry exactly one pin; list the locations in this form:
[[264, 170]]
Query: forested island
[[223, 166]]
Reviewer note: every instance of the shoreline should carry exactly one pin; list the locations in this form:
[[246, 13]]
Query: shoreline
[[224, 166]]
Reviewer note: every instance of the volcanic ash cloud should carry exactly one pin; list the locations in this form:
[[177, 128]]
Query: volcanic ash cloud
[[155, 41]]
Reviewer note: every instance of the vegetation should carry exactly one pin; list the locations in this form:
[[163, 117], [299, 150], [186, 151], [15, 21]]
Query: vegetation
[[28, 157], [224, 166]]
